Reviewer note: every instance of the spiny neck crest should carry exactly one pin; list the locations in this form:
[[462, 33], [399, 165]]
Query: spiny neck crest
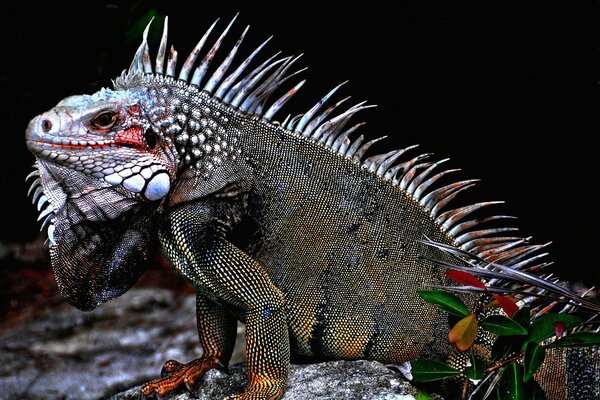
[[249, 93]]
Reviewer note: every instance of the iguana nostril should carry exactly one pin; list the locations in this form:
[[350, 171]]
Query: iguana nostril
[[46, 125]]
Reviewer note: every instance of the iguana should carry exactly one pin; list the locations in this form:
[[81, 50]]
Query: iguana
[[287, 227]]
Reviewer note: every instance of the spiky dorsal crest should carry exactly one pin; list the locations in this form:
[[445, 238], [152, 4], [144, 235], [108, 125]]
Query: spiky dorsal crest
[[249, 93]]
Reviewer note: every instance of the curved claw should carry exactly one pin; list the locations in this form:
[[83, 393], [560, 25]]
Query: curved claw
[[191, 389], [175, 374], [169, 368], [144, 397]]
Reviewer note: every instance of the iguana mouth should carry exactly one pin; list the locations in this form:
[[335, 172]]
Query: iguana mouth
[[47, 149], [74, 144]]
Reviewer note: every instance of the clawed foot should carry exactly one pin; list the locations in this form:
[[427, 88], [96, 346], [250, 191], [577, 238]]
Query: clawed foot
[[174, 374]]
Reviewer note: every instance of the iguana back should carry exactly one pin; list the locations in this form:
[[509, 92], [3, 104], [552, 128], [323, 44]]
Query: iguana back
[[342, 241]]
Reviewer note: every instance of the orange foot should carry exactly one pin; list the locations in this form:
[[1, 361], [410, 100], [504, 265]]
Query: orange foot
[[174, 374]]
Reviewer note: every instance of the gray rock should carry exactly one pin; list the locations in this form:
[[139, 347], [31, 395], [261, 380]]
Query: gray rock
[[56, 352], [71, 355], [325, 381]]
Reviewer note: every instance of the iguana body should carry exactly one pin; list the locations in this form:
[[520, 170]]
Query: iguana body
[[285, 227]]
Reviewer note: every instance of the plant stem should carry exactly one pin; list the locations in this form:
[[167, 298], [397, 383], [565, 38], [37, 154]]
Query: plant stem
[[502, 363], [465, 390]]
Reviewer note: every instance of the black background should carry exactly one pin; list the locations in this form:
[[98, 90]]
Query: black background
[[508, 90]]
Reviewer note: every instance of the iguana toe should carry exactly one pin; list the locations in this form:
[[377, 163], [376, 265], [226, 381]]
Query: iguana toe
[[174, 374]]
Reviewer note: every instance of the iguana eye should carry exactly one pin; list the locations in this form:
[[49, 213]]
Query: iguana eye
[[105, 120]]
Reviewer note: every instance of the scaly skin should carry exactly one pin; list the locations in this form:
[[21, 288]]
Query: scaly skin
[[314, 249]]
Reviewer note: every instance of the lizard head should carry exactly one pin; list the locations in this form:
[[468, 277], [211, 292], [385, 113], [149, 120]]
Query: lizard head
[[103, 171], [109, 163]]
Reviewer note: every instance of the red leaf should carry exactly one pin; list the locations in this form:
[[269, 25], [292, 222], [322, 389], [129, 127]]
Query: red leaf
[[464, 332], [559, 329], [465, 278], [508, 305]]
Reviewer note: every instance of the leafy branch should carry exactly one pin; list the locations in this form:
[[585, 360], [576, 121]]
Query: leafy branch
[[519, 347]]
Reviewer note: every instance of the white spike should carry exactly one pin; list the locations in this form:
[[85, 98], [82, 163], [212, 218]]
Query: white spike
[[32, 174], [341, 143], [474, 222], [146, 56], [248, 86], [293, 121], [443, 202], [250, 102], [220, 72], [449, 218], [481, 233], [354, 146], [201, 70], [34, 186], [46, 222], [189, 62], [411, 169], [420, 191], [311, 113], [342, 118], [361, 151], [418, 179], [279, 103], [232, 77], [47, 211], [162, 49], [286, 120], [172, 62], [43, 200], [385, 165], [51, 234], [36, 194]]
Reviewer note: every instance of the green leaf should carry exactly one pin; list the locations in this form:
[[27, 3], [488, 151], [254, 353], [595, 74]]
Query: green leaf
[[534, 391], [503, 326], [532, 359], [421, 395], [505, 346], [523, 317], [425, 370], [511, 385], [543, 327], [476, 370], [446, 301], [578, 339]]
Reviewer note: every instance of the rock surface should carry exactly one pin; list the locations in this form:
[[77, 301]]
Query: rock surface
[[330, 380], [63, 353], [50, 350]]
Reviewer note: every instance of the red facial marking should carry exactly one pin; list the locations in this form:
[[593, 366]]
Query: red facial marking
[[132, 136], [134, 110]]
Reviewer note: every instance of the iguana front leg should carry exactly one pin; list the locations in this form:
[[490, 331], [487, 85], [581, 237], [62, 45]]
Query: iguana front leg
[[194, 242], [216, 332]]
